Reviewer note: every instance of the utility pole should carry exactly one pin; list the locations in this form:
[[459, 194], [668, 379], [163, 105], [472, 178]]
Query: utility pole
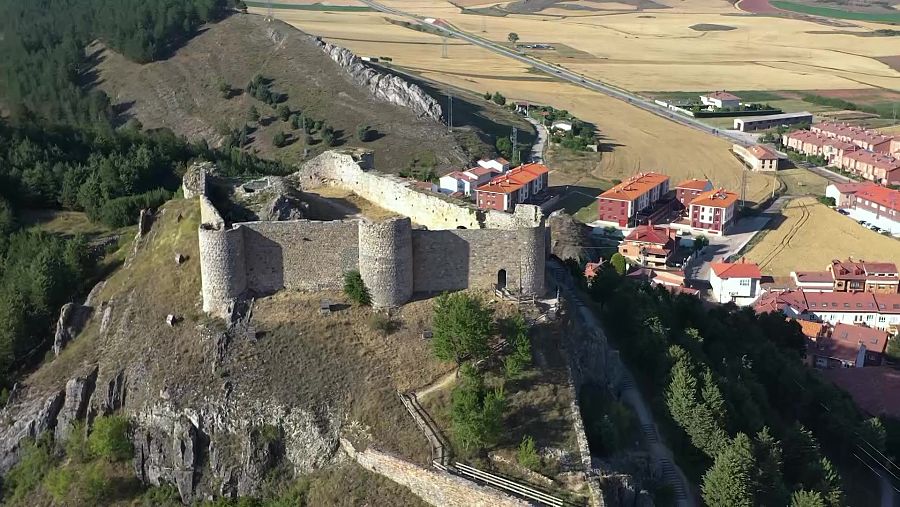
[[743, 189], [515, 145], [443, 47], [450, 111], [269, 16]]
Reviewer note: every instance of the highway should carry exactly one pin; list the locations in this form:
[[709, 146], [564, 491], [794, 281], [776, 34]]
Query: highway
[[572, 77]]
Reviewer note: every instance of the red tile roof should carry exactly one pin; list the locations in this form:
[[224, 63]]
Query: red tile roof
[[813, 276], [722, 95], [650, 234], [853, 132], [514, 179], [720, 198], [762, 152], [736, 269], [634, 187], [812, 330], [846, 340], [695, 184], [459, 175], [879, 160], [880, 195], [888, 303], [481, 171], [875, 389], [862, 270], [855, 302], [850, 188]]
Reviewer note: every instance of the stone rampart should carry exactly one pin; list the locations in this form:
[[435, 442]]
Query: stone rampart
[[299, 254], [435, 487], [459, 248]]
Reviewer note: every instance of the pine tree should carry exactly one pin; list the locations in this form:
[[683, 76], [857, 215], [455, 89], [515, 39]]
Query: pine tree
[[461, 327], [771, 490], [729, 482], [803, 498], [830, 484]]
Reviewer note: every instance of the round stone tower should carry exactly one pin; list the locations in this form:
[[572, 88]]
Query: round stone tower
[[532, 259], [222, 268], [385, 260]]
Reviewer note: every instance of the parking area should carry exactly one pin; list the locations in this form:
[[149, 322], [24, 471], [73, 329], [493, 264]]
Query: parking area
[[870, 218]]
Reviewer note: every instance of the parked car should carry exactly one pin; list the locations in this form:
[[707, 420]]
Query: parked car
[[875, 228], [843, 211], [863, 223]]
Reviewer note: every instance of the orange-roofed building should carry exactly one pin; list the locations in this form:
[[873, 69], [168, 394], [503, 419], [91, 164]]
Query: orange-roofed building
[[688, 190], [713, 212], [514, 187], [735, 282], [622, 203], [649, 245]]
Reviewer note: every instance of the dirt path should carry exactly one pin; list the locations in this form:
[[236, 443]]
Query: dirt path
[[438, 385]]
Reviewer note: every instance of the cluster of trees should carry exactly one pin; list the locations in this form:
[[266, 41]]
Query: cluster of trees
[[260, 88], [462, 328], [45, 63], [496, 98], [76, 473], [740, 409], [884, 111]]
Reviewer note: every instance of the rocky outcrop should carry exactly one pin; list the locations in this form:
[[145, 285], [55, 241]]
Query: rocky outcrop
[[75, 405], [284, 207], [29, 419], [383, 86]]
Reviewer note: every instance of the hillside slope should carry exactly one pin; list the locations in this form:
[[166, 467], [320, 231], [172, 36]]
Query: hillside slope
[[183, 94]]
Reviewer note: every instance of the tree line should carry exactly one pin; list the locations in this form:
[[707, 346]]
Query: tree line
[[745, 417]]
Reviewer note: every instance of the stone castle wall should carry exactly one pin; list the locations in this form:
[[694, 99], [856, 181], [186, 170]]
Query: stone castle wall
[[434, 487], [461, 247]]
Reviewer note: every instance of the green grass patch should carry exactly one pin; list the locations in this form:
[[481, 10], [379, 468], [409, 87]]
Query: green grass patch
[[588, 213], [312, 7], [828, 12]]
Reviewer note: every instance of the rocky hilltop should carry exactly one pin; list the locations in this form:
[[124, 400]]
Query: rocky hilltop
[[215, 407], [389, 88]]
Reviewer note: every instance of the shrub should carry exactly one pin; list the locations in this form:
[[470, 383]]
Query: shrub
[[363, 133], [618, 263], [124, 211], [109, 439], [527, 456], [356, 289], [498, 99], [284, 112], [382, 323], [279, 140], [827, 201], [34, 464]]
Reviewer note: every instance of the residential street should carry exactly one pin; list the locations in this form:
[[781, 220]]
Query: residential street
[[661, 454], [537, 149]]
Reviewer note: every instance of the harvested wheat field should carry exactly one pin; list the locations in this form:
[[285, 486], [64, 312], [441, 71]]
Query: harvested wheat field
[[656, 48], [812, 235], [638, 140]]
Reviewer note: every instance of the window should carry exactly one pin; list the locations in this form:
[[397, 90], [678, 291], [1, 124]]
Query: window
[[745, 282]]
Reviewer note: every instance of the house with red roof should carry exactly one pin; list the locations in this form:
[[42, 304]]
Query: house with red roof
[[688, 190], [849, 346], [517, 186], [863, 276], [713, 212], [873, 166], [720, 100], [872, 203], [880, 311], [757, 157], [649, 245], [735, 282], [622, 203], [867, 139]]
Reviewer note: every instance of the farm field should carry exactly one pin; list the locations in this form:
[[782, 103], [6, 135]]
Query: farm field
[[878, 17], [811, 235], [635, 140], [657, 48]]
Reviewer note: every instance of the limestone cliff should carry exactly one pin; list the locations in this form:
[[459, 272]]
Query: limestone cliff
[[383, 86]]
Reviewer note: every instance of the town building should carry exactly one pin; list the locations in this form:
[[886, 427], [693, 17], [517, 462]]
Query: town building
[[875, 390], [813, 281], [565, 126], [867, 139], [880, 311], [849, 346], [869, 202], [873, 166], [671, 279], [751, 123], [466, 181], [757, 157], [641, 193], [517, 186], [720, 100], [895, 146], [819, 145], [499, 164], [735, 282], [862, 276], [688, 190], [649, 245], [713, 211]]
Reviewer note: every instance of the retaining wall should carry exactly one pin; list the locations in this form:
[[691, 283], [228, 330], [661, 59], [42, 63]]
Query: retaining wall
[[435, 487]]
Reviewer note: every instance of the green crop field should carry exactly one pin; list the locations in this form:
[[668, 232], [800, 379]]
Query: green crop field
[[311, 7], [836, 13]]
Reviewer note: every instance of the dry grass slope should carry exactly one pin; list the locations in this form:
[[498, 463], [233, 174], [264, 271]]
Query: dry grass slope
[[812, 235]]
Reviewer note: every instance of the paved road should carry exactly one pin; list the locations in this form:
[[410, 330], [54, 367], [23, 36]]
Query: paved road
[[537, 149], [662, 455], [572, 77]]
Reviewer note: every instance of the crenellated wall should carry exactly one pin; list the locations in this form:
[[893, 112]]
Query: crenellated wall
[[459, 248]]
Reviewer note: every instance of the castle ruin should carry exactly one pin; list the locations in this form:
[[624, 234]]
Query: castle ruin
[[436, 245]]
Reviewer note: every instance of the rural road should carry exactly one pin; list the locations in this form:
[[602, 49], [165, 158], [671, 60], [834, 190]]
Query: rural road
[[537, 149], [661, 454], [572, 77]]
